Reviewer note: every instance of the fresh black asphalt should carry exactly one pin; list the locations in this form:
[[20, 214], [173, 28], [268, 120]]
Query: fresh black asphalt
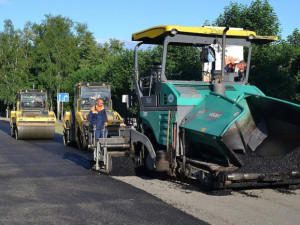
[[43, 182]]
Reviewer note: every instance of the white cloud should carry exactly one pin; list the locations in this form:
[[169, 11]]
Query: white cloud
[[128, 43], [102, 41]]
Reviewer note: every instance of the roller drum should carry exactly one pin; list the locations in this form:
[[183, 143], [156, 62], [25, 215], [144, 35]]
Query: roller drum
[[36, 132]]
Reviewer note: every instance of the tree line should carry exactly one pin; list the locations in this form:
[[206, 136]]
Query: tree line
[[58, 52]]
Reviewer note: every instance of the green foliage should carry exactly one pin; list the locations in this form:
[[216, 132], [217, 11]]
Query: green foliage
[[233, 16], [183, 63], [92, 74], [206, 23], [259, 17], [55, 52], [119, 74], [115, 46], [58, 53], [270, 71], [274, 67], [90, 53], [293, 42], [115, 66], [13, 63]]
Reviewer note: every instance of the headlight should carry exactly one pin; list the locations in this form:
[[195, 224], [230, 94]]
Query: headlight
[[251, 36], [173, 31]]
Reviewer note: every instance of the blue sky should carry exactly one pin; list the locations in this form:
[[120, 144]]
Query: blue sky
[[120, 18]]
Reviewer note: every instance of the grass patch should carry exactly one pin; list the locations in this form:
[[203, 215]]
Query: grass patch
[[58, 128]]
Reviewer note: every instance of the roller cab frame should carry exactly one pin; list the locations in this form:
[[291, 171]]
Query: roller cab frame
[[32, 119], [75, 125], [120, 140], [224, 132]]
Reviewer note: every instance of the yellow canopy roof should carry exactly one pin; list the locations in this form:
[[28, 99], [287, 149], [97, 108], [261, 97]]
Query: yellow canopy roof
[[157, 32]]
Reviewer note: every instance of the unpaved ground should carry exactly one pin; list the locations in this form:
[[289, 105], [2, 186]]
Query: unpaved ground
[[259, 206]]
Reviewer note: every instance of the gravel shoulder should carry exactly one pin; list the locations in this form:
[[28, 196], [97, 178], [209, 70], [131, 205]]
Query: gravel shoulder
[[257, 206]]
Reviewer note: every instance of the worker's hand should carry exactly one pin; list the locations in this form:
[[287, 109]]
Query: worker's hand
[[86, 124], [105, 124]]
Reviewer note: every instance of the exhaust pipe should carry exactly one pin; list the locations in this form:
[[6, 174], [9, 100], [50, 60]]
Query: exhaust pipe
[[223, 50], [218, 86]]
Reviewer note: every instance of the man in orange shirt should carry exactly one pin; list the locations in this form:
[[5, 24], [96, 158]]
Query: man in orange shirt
[[237, 68], [97, 117]]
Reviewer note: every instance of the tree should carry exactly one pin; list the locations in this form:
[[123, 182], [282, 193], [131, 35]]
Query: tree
[[55, 52], [53, 55], [115, 46], [113, 65], [271, 71], [26, 38], [293, 41], [119, 74], [259, 16], [90, 53], [183, 63], [274, 67], [13, 66], [91, 74]]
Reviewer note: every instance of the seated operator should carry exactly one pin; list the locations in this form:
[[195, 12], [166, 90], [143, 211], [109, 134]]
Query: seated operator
[[38, 103], [97, 117], [236, 68]]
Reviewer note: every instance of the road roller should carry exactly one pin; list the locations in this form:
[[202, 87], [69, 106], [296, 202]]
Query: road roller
[[32, 119], [75, 124]]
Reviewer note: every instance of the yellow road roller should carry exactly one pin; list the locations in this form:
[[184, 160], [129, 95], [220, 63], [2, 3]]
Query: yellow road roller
[[32, 118], [75, 125]]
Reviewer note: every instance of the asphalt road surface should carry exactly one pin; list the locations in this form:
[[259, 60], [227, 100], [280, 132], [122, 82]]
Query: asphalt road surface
[[43, 182]]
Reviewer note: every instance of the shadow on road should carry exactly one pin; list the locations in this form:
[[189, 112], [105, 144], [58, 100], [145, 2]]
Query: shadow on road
[[6, 128], [54, 146], [78, 159]]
